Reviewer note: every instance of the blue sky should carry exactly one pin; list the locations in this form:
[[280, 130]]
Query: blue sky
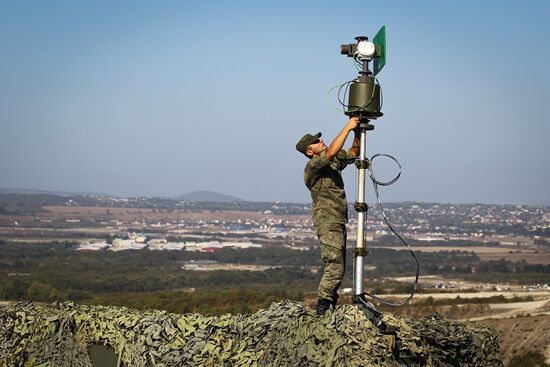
[[164, 98]]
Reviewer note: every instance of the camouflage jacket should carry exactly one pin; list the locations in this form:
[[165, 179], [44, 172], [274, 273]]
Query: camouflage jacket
[[324, 180]]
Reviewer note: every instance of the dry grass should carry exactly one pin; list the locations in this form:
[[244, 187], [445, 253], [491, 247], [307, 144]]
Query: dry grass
[[518, 335]]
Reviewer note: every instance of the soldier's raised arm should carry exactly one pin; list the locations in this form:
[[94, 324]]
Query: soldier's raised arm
[[340, 139]]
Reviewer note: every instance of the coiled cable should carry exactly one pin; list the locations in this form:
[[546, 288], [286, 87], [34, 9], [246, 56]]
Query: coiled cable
[[377, 183]]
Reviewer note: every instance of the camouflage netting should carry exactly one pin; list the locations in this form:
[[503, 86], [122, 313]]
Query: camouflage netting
[[285, 334]]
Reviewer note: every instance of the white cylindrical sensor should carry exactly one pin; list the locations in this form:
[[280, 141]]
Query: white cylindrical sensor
[[366, 50]]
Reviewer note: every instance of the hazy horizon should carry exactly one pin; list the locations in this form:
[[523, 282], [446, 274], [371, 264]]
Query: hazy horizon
[[370, 200], [162, 99]]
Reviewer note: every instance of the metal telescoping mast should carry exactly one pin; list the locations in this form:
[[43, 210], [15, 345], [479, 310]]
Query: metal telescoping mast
[[362, 164], [360, 251]]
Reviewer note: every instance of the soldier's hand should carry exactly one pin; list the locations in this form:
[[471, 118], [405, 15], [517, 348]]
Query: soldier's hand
[[353, 123]]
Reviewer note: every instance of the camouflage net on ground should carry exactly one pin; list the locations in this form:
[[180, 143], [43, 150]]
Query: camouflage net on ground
[[285, 334]]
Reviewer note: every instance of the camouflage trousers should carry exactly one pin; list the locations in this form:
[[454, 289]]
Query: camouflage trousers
[[332, 237]]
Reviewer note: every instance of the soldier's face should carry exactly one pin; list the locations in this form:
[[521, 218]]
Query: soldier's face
[[317, 147]]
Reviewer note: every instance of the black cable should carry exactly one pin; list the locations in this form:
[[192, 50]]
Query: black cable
[[338, 95], [373, 94], [375, 183], [346, 85], [346, 91], [381, 96]]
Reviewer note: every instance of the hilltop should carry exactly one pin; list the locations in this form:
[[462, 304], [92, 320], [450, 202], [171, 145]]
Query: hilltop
[[208, 196], [285, 334]]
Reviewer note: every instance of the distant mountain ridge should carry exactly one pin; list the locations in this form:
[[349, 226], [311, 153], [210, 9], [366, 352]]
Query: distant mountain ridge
[[200, 195], [46, 192], [211, 196], [205, 195]]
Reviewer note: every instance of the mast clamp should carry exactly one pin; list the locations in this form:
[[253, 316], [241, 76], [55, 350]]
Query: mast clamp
[[360, 251], [362, 163], [361, 207]]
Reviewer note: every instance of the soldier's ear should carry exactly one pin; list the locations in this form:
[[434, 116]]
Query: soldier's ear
[[309, 152]]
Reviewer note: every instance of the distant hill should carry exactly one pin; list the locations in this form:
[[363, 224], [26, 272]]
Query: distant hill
[[46, 192], [203, 195]]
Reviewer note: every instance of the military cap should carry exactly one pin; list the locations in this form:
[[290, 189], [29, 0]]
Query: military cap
[[306, 141]]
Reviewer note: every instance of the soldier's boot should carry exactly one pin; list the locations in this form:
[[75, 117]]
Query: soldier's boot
[[322, 306]]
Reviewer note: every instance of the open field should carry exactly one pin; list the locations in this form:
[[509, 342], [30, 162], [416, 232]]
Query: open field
[[487, 253], [537, 294], [528, 257], [536, 303], [206, 215], [479, 250]]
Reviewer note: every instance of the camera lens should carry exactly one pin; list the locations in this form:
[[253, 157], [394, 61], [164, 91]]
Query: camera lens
[[346, 49]]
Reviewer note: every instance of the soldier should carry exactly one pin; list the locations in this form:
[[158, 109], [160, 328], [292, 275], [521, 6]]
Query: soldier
[[323, 178]]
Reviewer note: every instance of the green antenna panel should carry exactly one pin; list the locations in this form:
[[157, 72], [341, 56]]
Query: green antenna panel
[[380, 41]]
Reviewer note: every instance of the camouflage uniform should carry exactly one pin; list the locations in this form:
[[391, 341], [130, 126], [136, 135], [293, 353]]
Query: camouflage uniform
[[330, 215]]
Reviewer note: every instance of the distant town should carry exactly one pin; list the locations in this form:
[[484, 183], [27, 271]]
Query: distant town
[[115, 223]]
